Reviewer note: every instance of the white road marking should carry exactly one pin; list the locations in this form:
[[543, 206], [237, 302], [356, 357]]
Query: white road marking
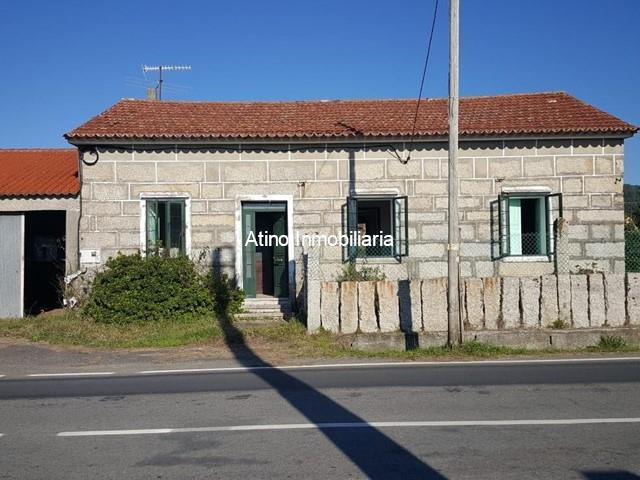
[[71, 374], [320, 426], [390, 364]]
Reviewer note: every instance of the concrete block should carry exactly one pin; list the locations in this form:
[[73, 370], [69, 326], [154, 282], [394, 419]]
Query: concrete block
[[212, 172], [602, 184], [117, 223], [530, 301], [476, 187], [244, 171], [388, 308], [548, 300], [181, 172], [474, 304], [633, 298], [537, 166], [330, 306], [434, 304], [294, 170], [491, 292], [511, 302], [410, 295], [574, 164], [348, 307], [136, 172], [507, 167], [431, 187], [579, 301], [604, 164], [110, 191], [327, 170], [596, 300], [564, 298], [614, 292], [367, 319], [100, 172]]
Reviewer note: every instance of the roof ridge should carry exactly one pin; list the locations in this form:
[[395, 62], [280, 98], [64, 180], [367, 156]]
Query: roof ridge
[[336, 100]]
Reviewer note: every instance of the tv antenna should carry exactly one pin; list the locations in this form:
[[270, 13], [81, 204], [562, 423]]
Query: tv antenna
[[160, 69]]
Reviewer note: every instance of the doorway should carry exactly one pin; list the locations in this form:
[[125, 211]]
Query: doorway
[[265, 249]]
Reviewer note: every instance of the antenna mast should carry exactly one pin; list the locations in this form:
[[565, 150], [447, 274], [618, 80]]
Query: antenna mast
[[160, 69]]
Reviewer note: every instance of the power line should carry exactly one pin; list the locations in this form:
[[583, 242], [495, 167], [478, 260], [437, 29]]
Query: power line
[[424, 75]]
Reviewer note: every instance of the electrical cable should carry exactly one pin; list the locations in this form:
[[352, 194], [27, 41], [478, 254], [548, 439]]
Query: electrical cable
[[424, 74]]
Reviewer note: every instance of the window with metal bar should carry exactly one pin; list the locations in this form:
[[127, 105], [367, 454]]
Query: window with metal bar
[[524, 226], [165, 227], [377, 227]]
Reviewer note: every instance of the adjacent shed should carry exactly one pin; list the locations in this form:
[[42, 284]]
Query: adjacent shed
[[39, 215]]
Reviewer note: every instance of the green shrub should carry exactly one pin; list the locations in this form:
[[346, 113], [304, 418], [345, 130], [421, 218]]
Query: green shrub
[[135, 289], [351, 273], [228, 297], [559, 324], [611, 342]]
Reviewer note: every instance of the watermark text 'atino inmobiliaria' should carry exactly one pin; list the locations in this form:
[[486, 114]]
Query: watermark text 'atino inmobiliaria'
[[353, 239]]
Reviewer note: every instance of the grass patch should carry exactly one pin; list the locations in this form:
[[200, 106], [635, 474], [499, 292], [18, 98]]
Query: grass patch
[[289, 339], [70, 328]]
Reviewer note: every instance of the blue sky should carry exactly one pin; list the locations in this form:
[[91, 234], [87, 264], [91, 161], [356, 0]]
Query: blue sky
[[65, 61]]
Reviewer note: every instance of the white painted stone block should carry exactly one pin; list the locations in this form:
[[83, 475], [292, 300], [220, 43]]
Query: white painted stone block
[[579, 301], [614, 299], [491, 296], [633, 298], [388, 308], [348, 307], [530, 301], [596, 300], [474, 304], [564, 298], [313, 306], [511, 302], [548, 300], [367, 319], [330, 306], [434, 304]]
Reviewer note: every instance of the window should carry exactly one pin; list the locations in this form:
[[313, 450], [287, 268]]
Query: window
[[165, 227], [524, 227], [376, 226]]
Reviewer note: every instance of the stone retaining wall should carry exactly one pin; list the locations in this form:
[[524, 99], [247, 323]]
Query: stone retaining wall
[[579, 301]]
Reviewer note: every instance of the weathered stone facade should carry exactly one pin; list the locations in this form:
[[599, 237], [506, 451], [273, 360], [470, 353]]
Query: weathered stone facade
[[586, 171]]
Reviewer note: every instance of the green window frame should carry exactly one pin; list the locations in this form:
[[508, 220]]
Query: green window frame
[[165, 227], [380, 213], [523, 224]]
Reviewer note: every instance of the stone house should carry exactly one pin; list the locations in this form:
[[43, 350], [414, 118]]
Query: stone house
[[202, 176]]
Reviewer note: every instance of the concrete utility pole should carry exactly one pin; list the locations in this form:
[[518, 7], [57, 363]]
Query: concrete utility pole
[[453, 247]]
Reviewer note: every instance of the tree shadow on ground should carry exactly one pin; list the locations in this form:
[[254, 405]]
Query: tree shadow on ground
[[373, 452]]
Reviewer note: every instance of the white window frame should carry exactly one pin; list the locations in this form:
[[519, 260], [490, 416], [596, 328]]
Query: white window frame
[[165, 196]]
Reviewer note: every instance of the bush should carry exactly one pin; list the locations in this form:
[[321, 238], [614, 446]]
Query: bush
[[350, 273], [611, 342], [228, 297], [135, 289]]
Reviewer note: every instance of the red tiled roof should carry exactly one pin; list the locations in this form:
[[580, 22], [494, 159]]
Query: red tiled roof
[[34, 172], [522, 114]]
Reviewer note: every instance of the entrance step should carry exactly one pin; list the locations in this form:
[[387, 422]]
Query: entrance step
[[265, 309]]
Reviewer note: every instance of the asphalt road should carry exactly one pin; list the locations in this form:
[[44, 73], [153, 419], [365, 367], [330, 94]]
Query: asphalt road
[[538, 420]]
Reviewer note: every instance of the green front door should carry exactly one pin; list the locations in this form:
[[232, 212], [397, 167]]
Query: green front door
[[248, 252], [272, 218], [280, 280]]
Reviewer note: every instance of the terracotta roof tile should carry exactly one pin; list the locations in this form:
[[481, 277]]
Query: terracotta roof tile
[[521, 114], [38, 172]]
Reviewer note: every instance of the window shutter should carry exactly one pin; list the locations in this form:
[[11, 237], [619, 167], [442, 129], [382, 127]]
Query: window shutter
[[400, 227], [503, 227], [151, 244], [554, 212], [349, 225], [514, 233]]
